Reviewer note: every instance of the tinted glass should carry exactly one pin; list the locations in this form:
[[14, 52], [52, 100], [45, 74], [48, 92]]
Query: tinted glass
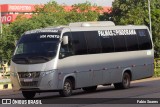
[[66, 49], [36, 48], [79, 43], [93, 42], [119, 43], [144, 39], [107, 44], [132, 42], [39, 37]]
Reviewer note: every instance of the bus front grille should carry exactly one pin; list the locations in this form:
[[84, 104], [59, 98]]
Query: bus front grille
[[32, 84], [28, 74]]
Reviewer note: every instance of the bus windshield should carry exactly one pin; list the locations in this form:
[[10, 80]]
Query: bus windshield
[[36, 48]]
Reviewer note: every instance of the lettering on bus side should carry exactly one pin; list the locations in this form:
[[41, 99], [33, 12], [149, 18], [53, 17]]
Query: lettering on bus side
[[116, 32]]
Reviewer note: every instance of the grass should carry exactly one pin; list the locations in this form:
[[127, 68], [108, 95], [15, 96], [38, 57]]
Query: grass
[[2, 83], [157, 72]]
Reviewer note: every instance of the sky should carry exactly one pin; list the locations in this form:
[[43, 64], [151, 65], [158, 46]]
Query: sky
[[67, 2]]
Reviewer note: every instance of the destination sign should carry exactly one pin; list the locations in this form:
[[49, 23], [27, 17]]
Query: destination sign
[[116, 32], [42, 30], [50, 36]]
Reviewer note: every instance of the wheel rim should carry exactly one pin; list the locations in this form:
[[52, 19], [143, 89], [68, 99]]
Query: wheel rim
[[126, 81], [67, 87]]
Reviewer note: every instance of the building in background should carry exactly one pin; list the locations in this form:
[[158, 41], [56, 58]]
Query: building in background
[[9, 12]]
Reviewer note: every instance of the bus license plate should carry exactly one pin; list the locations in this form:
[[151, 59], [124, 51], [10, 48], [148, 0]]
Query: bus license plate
[[28, 80]]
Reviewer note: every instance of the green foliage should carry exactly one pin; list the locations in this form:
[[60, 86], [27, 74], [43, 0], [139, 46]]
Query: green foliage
[[130, 12], [50, 7], [157, 67], [7, 43], [83, 12], [20, 26]]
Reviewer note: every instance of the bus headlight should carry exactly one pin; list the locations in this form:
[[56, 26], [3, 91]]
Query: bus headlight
[[47, 72]]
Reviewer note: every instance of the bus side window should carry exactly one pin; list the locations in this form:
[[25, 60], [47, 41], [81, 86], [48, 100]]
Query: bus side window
[[144, 39], [119, 43], [93, 42], [132, 42], [107, 44], [79, 43], [66, 50]]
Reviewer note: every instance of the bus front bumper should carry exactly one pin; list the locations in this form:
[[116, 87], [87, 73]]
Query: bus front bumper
[[34, 80]]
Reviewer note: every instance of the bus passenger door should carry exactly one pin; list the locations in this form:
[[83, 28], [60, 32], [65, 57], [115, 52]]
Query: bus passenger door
[[82, 72], [66, 62]]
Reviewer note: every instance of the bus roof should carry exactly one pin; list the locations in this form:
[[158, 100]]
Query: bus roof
[[87, 26]]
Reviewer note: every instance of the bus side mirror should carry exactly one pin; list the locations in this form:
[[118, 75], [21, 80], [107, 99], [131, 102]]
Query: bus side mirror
[[65, 40]]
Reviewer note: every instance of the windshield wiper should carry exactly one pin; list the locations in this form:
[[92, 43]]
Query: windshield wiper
[[43, 57], [22, 58]]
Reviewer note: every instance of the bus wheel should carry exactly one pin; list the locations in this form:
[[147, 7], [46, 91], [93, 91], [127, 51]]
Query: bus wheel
[[28, 94], [67, 88], [90, 89], [125, 82]]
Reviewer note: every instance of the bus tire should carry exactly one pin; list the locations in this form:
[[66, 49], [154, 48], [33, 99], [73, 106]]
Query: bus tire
[[67, 88], [28, 94], [90, 89], [125, 82]]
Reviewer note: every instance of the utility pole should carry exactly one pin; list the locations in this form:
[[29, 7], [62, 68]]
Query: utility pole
[[149, 13]]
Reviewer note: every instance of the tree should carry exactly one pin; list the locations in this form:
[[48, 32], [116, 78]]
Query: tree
[[21, 25], [51, 14], [7, 43], [83, 12], [135, 12]]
